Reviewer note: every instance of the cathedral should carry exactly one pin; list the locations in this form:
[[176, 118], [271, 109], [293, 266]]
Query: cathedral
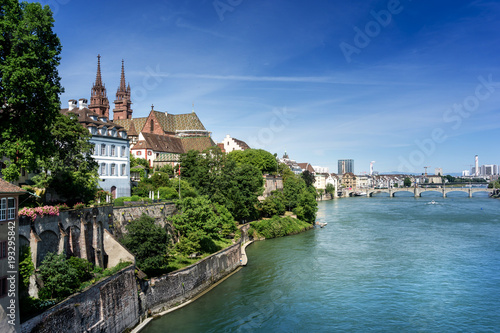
[[160, 137]]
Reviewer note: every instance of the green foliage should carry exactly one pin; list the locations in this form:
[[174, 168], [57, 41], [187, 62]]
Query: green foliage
[[407, 182], [306, 206], [136, 161], [222, 180], [149, 243], [278, 227], [26, 269], [29, 85], [308, 177], [166, 169], [61, 277], [292, 187], [263, 160], [494, 184], [70, 170], [330, 189], [273, 205], [200, 224]]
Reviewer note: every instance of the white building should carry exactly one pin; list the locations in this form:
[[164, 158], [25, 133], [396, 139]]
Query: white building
[[111, 148], [231, 144]]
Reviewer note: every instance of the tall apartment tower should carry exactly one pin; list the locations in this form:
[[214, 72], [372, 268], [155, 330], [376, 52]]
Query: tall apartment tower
[[477, 166], [345, 166], [123, 102], [98, 100]]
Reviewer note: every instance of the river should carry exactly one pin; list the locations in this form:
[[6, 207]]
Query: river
[[381, 264]]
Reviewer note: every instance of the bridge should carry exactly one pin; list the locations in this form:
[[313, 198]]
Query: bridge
[[416, 191]]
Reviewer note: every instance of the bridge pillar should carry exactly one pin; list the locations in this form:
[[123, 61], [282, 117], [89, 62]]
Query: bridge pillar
[[470, 192], [444, 192]]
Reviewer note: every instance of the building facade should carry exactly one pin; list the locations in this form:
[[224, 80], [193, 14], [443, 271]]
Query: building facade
[[111, 148], [9, 203], [345, 166]]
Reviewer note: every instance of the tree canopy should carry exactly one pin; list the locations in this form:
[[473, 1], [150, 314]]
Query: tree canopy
[[70, 170], [224, 181], [263, 160], [29, 84]]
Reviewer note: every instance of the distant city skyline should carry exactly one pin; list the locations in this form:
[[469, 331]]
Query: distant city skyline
[[407, 84]]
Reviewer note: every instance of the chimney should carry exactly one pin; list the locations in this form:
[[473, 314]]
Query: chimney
[[72, 104], [82, 103]]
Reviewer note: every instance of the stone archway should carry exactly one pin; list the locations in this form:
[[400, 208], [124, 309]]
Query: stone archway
[[49, 242], [113, 192]]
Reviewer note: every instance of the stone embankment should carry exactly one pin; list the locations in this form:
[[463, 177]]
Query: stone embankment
[[122, 301]]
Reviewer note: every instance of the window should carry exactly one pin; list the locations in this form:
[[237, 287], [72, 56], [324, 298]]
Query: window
[[150, 153], [11, 208], [113, 169], [3, 209], [138, 153], [103, 169], [123, 169], [124, 151], [113, 150], [3, 249], [152, 125], [94, 149], [103, 150]]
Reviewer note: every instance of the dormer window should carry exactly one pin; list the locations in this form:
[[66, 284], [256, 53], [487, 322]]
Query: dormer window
[[103, 130], [103, 119], [113, 132], [123, 134]]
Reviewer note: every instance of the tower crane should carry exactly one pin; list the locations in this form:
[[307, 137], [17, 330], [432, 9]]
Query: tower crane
[[425, 167]]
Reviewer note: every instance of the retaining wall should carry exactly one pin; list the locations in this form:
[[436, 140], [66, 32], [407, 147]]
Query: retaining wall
[[161, 293], [112, 305]]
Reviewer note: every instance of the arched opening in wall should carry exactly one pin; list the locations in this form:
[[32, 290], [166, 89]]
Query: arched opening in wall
[[113, 192], [89, 236], [49, 242], [73, 244], [102, 257], [23, 241]]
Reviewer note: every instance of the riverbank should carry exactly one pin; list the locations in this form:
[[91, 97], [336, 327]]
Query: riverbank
[[277, 227]]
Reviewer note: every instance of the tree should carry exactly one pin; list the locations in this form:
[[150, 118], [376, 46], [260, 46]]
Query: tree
[[200, 224], [307, 206], [273, 204], [308, 177], [149, 243], [263, 160], [292, 186], [407, 182], [71, 170], [224, 181], [330, 189], [29, 85]]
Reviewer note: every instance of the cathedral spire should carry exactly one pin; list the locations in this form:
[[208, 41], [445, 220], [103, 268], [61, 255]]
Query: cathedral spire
[[98, 100], [98, 79], [122, 108], [122, 80]]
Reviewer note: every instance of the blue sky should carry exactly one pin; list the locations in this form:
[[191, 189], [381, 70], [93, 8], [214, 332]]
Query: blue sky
[[404, 83]]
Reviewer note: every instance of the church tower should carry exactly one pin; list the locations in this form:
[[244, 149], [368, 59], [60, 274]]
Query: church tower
[[98, 100], [122, 108]]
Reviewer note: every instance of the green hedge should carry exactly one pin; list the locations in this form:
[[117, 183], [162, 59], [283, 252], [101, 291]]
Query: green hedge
[[278, 227]]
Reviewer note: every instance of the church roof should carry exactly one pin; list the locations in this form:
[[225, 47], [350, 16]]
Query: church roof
[[199, 143], [160, 143]]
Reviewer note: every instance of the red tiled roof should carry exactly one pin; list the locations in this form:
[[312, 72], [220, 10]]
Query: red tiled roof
[[6, 187]]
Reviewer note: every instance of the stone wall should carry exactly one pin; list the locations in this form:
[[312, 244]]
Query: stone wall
[[123, 215], [77, 232], [111, 305], [159, 294]]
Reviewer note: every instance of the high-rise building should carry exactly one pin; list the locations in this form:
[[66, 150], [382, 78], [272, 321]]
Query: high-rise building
[[345, 166]]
